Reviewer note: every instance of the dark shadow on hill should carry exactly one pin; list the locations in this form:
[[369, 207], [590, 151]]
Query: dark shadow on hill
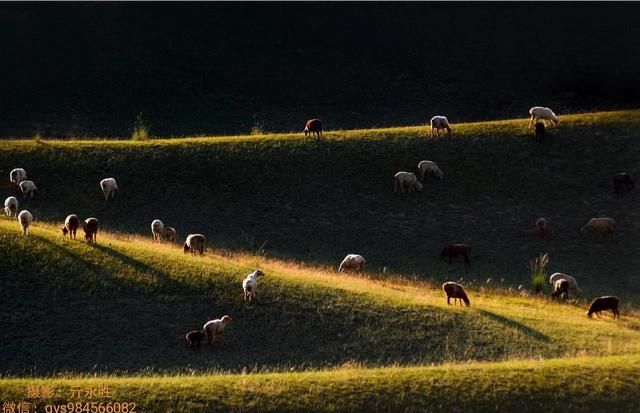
[[515, 325]]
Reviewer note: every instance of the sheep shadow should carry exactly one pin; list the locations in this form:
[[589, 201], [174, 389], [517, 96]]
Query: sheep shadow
[[507, 322]]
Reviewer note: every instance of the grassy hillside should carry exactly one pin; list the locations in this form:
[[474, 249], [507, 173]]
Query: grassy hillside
[[316, 202], [124, 306], [587, 383]]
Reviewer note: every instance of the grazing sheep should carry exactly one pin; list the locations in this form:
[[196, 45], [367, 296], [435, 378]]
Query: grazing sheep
[[543, 114], [28, 188], [109, 187], [194, 338], [439, 123], [90, 227], [455, 250], [605, 303], [17, 175], [170, 234], [600, 226], [313, 126], [573, 284], [408, 181], [215, 328], [11, 206], [622, 182], [353, 262], [561, 289], [195, 242], [455, 291], [157, 228], [25, 218], [71, 224], [542, 229], [250, 286], [429, 168], [539, 134]]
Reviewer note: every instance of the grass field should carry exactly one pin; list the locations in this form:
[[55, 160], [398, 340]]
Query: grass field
[[74, 314]]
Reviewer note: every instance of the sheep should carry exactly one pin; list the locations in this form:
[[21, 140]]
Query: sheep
[[352, 262], [215, 328], [170, 234], [109, 187], [542, 228], [90, 227], [561, 289], [25, 218], [28, 188], [17, 175], [157, 228], [11, 206], [573, 284], [543, 114], [539, 133], [429, 168], [71, 224], [622, 182], [194, 338], [604, 303], [195, 242], [455, 291], [455, 250], [313, 126], [406, 180], [250, 286], [439, 123], [601, 226]]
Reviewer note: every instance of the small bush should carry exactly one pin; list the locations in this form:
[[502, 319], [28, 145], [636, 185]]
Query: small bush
[[538, 272], [141, 129]]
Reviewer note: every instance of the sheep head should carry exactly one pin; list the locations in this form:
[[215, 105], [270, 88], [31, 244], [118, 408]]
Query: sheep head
[[186, 247]]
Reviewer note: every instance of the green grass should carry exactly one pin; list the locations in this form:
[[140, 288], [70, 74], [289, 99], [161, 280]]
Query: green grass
[[316, 202], [576, 385]]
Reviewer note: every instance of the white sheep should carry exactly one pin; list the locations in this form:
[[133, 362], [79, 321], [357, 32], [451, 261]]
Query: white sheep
[[109, 187], [353, 262], [573, 284], [601, 226], [17, 175], [28, 188], [250, 285], [195, 242], [157, 229], [543, 114], [215, 328], [429, 168], [11, 206], [439, 123], [25, 218], [406, 180]]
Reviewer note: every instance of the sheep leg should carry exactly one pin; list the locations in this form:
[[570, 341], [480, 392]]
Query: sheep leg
[[448, 300]]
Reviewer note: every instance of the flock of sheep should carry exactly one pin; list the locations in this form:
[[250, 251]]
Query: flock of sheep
[[563, 284]]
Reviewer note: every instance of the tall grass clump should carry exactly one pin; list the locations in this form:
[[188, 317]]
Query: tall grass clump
[[538, 272], [140, 129]]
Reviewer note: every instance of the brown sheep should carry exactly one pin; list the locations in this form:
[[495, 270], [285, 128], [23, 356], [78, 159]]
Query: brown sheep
[[542, 229], [455, 291], [71, 225], [170, 234], [194, 338], [195, 242], [604, 303], [313, 126], [539, 132], [622, 182], [455, 250], [601, 226], [561, 289], [90, 228]]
